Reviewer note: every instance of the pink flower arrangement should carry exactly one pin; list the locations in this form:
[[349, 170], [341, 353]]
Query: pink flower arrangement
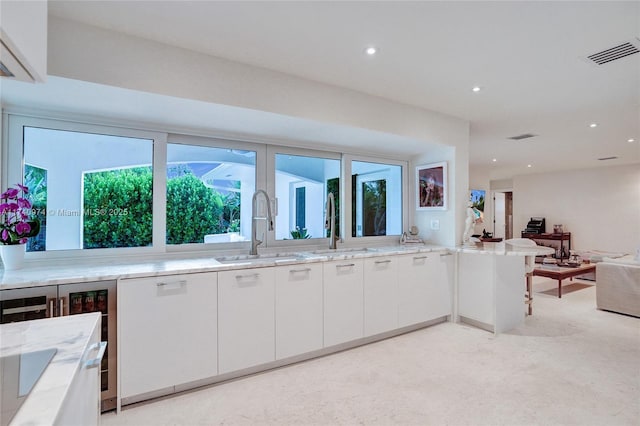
[[17, 223]]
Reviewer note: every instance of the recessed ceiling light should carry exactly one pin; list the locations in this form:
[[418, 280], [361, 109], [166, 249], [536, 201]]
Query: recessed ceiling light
[[529, 165], [476, 89], [631, 140], [371, 50], [494, 160], [592, 125]]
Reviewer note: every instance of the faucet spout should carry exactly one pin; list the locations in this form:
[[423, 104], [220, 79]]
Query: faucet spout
[[255, 242], [330, 222]]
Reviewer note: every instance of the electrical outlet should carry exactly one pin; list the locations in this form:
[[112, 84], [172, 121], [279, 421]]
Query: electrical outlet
[[435, 224]]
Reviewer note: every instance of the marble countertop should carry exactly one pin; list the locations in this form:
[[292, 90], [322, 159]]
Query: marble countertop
[[36, 274], [503, 249], [70, 336]]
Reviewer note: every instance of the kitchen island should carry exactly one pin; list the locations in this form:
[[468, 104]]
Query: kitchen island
[[492, 285], [49, 374]]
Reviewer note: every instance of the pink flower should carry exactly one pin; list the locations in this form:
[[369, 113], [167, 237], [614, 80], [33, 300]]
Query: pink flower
[[22, 228], [5, 235], [24, 188], [24, 203], [12, 207], [10, 193], [23, 240], [4, 207]]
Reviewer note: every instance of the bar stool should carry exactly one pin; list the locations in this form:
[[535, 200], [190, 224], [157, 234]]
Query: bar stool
[[529, 264]]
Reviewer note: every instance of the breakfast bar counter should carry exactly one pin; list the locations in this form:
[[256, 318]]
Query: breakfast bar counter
[[49, 374]]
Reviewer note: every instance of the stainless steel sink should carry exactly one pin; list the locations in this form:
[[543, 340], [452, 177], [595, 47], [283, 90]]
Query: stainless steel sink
[[344, 251], [259, 258]]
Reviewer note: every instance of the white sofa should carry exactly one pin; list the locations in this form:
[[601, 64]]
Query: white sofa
[[618, 285]]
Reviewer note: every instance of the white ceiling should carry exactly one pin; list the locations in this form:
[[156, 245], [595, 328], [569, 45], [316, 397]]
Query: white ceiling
[[527, 57]]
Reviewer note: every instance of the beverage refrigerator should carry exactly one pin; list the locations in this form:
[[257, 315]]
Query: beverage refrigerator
[[70, 299]]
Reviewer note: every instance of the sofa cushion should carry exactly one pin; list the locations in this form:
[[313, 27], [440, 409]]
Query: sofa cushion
[[625, 260]]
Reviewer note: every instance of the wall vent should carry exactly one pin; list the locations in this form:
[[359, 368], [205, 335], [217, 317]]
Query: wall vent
[[522, 136], [617, 52], [607, 158]]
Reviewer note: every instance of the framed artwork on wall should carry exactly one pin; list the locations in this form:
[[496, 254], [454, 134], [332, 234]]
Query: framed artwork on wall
[[431, 186], [477, 199]]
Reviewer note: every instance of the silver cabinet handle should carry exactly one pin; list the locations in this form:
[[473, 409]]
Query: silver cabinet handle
[[24, 309], [346, 265], [383, 261], [52, 306], [420, 257], [177, 283], [247, 276], [293, 271], [446, 254], [61, 302], [95, 362]]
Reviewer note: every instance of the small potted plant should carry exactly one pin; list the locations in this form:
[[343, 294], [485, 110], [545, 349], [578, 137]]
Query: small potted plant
[[17, 225], [300, 234]]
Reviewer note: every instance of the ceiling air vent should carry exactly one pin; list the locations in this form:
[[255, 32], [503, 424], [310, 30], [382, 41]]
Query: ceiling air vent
[[625, 49], [522, 136], [607, 158]]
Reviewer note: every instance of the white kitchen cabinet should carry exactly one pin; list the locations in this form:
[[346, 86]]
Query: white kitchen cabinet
[[246, 318], [491, 290], [420, 289], [298, 309], [81, 404], [343, 301], [167, 331], [380, 294]]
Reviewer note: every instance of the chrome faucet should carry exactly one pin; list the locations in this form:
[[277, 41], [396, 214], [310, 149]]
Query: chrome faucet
[[255, 242], [330, 222]]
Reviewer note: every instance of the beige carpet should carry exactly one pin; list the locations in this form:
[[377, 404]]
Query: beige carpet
[[567, 288], [569, 364]]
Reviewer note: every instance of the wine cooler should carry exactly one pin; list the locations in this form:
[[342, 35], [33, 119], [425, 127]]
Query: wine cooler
[[71, 299]]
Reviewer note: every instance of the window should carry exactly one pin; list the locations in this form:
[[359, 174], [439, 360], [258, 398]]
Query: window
[[376, 203], [111, 188], [209, 194], [90, 190], [301, 187]]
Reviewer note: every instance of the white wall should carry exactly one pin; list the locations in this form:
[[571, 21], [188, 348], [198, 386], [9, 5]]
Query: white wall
[[599, 206], [458, 195], [87, 53]]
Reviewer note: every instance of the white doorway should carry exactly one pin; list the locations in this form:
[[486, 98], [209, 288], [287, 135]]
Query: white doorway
[[503, 215]]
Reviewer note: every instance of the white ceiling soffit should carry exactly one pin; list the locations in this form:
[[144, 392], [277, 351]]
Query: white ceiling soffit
[[153, 112]]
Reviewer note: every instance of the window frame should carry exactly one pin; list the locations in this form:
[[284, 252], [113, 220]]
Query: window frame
[[349, 240], [272, 150], [211, 142], [12, 167]]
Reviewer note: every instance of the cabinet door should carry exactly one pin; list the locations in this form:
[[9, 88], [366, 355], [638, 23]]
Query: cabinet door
[[440, 301], [246, 318], [81, 404], [380, 295], [343, 301], [167, 330], [416, 273], [298, 309]]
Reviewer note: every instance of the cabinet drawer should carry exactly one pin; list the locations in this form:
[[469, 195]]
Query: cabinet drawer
[[343, 301], [246, 318], [380, 295], [416, 273], [298, 309], [167, 331]]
